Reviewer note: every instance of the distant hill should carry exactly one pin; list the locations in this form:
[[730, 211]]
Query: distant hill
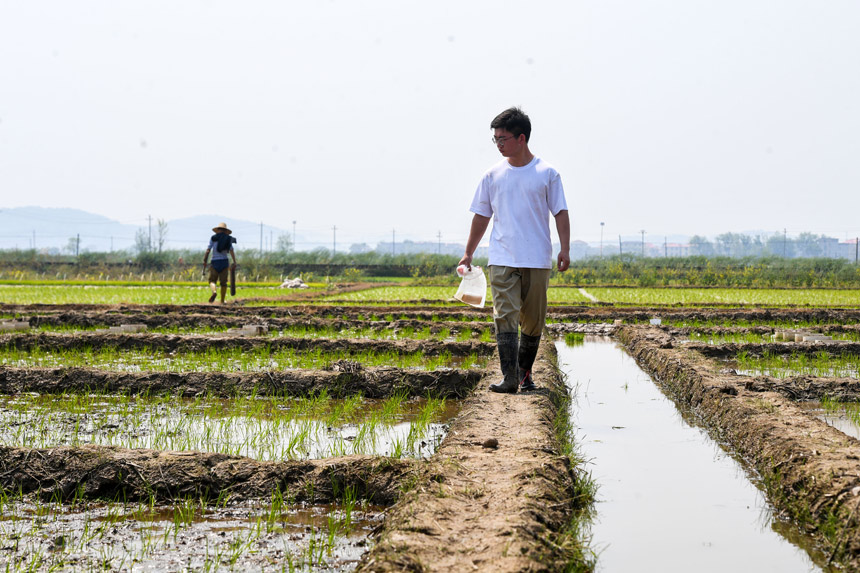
[[53, 228]]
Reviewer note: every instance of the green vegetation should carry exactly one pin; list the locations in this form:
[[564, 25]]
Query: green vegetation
[[221, 360], [256, 427], [203, 535], [760, 297], [763, 272], [848, 410], [574, 339], [399, 294], [97, 294], [572, 541], [821, 364]]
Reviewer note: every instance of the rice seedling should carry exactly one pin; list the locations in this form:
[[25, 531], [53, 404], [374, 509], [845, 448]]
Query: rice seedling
[[821, 364], [219, 359], [261, 428], [65, 293], [398, 294], [759, 297], [574, 339]]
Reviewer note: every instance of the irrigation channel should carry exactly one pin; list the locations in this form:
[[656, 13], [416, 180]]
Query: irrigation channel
[[669, 498]]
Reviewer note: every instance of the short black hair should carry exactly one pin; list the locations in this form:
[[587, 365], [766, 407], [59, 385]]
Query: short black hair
[[514, 121]]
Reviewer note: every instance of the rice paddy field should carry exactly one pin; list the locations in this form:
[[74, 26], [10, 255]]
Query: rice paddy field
[[368, 294], [353, 429]]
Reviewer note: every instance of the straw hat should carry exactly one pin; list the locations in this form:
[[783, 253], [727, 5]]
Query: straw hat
[[222, 227]]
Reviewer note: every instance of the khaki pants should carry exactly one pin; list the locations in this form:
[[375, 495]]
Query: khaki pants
[[519, 298]]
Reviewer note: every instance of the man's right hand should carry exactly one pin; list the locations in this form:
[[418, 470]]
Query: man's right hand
[[466, 260]]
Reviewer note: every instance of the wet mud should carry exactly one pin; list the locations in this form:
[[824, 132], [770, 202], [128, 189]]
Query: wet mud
[[342, 382], [810, 470], [731, 349], [113, 473], [78, 319]]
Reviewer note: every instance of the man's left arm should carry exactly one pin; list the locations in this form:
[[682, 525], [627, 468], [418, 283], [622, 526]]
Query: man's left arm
[[562, 225]]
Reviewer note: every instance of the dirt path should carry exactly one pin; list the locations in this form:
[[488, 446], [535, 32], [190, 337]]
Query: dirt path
[[484, 508], [113, 473], [809, 469]]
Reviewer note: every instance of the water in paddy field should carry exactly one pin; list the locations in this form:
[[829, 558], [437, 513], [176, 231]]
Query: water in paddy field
[[669, 498]]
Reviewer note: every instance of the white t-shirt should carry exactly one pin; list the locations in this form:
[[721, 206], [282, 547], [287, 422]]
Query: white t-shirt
[[520, 201]]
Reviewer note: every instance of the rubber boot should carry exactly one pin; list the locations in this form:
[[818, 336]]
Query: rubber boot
[[526, 359], [507, 343]]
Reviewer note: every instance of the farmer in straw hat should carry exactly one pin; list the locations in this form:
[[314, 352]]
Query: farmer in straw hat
[[220, 245]]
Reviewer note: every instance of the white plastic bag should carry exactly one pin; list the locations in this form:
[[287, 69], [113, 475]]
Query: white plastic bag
[[473, 287]]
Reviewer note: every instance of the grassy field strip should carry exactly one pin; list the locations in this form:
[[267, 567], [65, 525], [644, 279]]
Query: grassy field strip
[[258, 428], [588, 295], [821, 364], [774, 297], [51, 536], [223, 360], [399, 294], [91, 294], [441, 293]]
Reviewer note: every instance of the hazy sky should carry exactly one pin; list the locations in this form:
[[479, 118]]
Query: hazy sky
[[673, 117]]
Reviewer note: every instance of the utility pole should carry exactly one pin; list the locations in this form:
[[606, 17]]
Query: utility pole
[[620, 248], [334, 240], [439, 238], [601, 239], [784, 241], [261, 237], [856, 248], [150, 232], [666, 247], [34, 239], [78, 244], [643, 241], [111, 243], [270, 240], [392, 242]]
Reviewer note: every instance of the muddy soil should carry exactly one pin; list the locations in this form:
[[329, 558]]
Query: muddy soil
[[810, 470], [112, 473], [202, 343], [807, 388], [571, 313], [731, 349], [195, 320], [487, 508], [325, 311], [347, 380]]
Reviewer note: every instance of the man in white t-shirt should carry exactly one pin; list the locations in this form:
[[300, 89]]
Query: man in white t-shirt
[[519, 193]]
